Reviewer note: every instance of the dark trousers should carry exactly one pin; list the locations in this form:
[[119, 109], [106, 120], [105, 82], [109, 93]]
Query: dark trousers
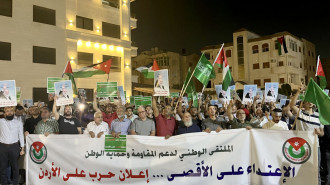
[[9, 153]]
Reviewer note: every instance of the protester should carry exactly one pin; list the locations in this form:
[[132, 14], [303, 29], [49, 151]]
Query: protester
[[187, 125], [67, 123], [32, 122], [108, 114], [142, 125], [276, 123], [240, 121], [11, 144], [129, 114], [307, 120], [20, 114], [98, 127], [165, 122], [120, 126], [46, 125], [212, 123]]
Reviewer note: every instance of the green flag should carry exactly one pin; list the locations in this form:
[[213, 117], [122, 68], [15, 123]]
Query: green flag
[[204, 70], [316, 95], [191, 86]]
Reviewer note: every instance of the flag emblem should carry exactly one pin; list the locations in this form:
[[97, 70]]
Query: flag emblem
[[296, 150], [38, 152]]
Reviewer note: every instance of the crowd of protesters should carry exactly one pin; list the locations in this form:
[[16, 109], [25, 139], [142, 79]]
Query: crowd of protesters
[[162, 118]]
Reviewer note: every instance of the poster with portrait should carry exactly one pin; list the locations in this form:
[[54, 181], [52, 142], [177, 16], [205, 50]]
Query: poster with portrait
[[8, 93], [27, 103], [271, 91], [260, 96], [161, 83], [64, 92], [326, 91], [284, 103], [249, 93], [223, 96]]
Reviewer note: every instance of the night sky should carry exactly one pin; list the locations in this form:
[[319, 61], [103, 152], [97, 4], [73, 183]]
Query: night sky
[[193, 24]]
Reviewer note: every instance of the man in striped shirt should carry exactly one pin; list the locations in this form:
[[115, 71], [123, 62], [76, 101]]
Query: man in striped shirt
[[307, 120]]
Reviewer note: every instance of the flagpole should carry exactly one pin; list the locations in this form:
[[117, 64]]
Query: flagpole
[[108, 77], [215, 61], [182, 93]]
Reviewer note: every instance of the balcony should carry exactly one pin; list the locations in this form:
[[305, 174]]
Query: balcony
[[133, 21], [112, 3]]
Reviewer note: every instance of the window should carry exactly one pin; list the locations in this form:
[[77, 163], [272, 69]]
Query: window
[[115, 64], [314, 68], [44, 55], [266, 65], [219, 70], [300, 65], [240, 50], [267, 80], [44, 15], [265, 47], [309, 53], [209, 84], [162, 61], [258, 82], [85, 59], [40, 94], [110, 30], [299, 49], [280, 63], [281, 80], [255, 66], [5, 51], [207, 56], [312, 54], [228, 53], [310, 68], [255, 49], [6, 8], [84, 23]]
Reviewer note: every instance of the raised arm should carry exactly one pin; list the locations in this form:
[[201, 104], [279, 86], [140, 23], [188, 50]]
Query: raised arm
[[55, 113], [229, 110], [154, 106], [96, 109], [180, 108]]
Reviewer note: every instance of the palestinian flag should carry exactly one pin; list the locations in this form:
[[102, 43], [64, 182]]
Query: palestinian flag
[[281, 42], [320, 73], [227, 79], [68, 72], [220, 58], [148, 70], [95, 69]]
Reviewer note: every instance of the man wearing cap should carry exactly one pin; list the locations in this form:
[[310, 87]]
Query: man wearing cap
[[11, 144], [276, 123]]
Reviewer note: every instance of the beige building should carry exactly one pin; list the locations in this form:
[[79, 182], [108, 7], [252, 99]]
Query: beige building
[[176, 63], [254, 59], [38, 37]]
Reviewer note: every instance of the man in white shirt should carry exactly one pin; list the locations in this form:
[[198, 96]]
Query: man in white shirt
[[276, 123], [11, 144], [97, 127]]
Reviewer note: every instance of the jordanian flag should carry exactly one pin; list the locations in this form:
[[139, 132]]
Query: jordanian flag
[[220, 58], [95, 69], [320, 73], [316, 95], [68, 72], [204, 70], [148, 70]]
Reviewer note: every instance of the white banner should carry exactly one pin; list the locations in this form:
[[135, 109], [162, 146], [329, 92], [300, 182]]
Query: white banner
[[236, 156]]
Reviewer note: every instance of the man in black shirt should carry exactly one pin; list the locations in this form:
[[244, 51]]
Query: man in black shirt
[[31, 122], [67, 123]]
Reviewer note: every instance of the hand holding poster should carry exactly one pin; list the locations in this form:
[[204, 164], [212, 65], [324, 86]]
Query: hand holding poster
[[224, 96], [260, 96], [249, 93], [8, 93], [27, 103], [161, 84], [64, 93], [271, 91], [106, 89]]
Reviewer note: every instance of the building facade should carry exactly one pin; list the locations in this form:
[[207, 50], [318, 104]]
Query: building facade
[[254, 59], [38, 38], [176, 63]]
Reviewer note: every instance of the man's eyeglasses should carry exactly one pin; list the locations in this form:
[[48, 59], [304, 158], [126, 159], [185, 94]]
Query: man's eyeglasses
[[141, 112]]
